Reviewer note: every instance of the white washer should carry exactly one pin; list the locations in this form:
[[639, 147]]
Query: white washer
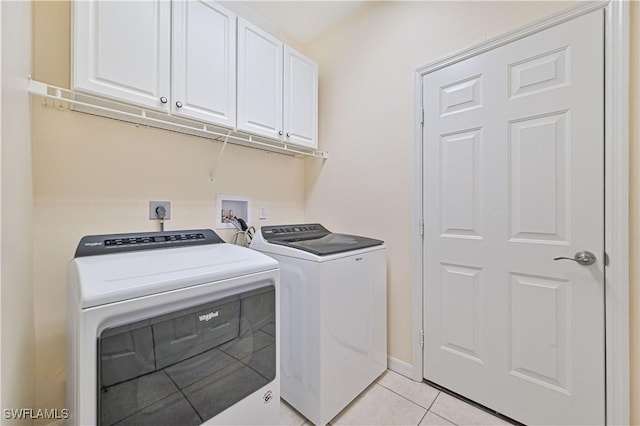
[[172, 328], [333, 311]]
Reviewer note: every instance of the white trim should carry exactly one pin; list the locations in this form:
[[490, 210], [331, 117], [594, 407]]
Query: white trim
[[511, 36], [401, 367], [616, 188], [617, 210], [1, 219], [417, 288]]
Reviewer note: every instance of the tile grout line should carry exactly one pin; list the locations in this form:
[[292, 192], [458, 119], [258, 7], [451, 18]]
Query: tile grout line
[[421, 383], [434, 400], [422, 418], [482, 409], [443, 418], [436, 414], [428, 410], [439, 415], [404, 397], [293, 410]]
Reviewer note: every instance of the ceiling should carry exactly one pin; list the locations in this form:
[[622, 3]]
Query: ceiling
[[303, 20]]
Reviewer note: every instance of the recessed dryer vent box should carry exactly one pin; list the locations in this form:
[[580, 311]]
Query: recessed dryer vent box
[[232, 206]]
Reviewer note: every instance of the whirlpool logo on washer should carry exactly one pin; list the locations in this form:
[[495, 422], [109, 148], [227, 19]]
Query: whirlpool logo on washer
[[209, 316], [92, 244]]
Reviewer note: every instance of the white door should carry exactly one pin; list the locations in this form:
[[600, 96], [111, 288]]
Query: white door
[[121, 50], [513, 178], [259, 81], [204, 62], [300, 99]]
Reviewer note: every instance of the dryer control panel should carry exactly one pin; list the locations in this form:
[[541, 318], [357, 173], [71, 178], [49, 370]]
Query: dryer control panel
[[94, 245]]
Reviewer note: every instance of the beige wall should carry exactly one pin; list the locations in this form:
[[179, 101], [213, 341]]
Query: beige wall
[[16, 211], [366, 123], [94, 175], [634, 236], [367, 66], [85, 181]]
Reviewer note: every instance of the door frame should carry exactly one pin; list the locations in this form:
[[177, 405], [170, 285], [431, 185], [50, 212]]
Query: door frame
[[616, 149]]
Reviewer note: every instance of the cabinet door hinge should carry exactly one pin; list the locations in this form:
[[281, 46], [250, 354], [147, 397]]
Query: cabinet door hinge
[[422, 117], [422, 338], [421, 227]]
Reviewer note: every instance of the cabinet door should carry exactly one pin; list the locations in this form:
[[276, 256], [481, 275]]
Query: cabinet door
[[204, 62], [121, 50], [259, 81], [300, 99]]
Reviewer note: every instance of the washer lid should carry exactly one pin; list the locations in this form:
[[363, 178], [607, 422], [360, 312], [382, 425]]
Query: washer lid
[[315, 238], [331, 244]]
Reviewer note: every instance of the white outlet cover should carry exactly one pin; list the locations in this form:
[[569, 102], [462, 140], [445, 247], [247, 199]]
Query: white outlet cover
[[262, 212]]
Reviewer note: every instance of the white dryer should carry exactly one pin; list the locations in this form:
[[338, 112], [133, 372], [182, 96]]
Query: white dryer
[[173, 328], [333, 315]]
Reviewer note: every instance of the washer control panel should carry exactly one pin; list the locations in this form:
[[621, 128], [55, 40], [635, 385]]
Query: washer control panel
[[290, 232]]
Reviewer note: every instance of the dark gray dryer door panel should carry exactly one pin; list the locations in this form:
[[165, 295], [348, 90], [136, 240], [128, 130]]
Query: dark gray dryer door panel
[[187, 366], [127, 352], [178, 337]]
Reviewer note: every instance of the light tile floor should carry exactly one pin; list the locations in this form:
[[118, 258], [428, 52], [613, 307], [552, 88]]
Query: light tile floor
[[396, 400]]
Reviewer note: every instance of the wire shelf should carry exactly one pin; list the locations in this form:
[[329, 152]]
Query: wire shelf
[[66, 99]]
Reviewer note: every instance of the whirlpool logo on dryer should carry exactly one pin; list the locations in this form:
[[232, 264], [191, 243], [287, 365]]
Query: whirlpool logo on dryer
[[209, 316]]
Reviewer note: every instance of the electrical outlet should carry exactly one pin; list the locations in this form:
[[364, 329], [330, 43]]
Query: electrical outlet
[[153, 205], [262, 212]]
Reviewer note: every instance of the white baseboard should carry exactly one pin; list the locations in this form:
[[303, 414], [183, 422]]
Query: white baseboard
[[400, 367]]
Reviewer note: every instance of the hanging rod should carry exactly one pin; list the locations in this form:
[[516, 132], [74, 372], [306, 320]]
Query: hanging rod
[[67, 99]]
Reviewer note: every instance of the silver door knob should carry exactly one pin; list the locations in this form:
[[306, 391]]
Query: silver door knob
[[179, 104], [280, 132], [163, 100], [585, 258], [288, 134]]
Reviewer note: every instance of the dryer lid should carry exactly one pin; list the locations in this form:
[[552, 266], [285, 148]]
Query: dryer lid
[[102, 279]]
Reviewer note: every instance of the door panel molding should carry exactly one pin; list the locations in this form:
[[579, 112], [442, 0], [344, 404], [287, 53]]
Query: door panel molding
[[616, 147]]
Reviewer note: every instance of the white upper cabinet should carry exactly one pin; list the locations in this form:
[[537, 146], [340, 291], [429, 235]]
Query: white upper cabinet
[[203, 80], [197, 60], [300, 99], [259, 81], [121, 50], [277, 89]]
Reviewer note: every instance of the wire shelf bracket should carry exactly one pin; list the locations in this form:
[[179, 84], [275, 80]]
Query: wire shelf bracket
[[66, 99]]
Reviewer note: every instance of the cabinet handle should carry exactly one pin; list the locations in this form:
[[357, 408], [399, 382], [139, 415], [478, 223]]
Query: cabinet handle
[[288, 134], [163, 100], [179, 104], [280, 132]]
